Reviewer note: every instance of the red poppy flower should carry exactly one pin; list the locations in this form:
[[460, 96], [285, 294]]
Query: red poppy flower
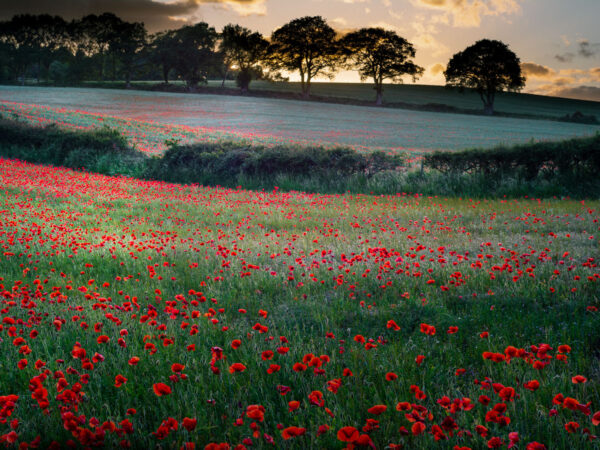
[[347, 434], [291, 432], [237, 367], [293, 405], [377, 409], [176, 367], [120, 380], [161, 389], [188, 423]]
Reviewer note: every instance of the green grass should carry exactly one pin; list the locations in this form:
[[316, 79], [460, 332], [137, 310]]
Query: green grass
[[417, 94], [274, 121], [63, 229]]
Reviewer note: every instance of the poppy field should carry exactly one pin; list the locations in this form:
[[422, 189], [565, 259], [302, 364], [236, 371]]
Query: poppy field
[[142, 314], [149, 118]]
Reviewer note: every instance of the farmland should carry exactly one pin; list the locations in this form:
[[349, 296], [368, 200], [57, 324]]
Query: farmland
[[408, 94], [149, 118], [155, 314], [146, 314]]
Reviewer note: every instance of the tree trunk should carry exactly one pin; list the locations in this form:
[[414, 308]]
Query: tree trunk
[[244, 86], [488, 109], [128, 79], [225, 77], [306, 90], [166, 73], [379, 97]]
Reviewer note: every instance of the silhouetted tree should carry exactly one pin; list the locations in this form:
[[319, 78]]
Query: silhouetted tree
[[381, 55], [245, 50], [95, 34], [163, 52], [194, 52], [129, 40], [307, 45], [489, 67], [32, 41]]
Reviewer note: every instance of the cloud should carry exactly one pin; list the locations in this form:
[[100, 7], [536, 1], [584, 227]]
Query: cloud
[[587, 50], [581, 92], [155, 14], [565, 57], [428, 41], [437, 69], [533, 70], [595, 73], [242, 7], [468, 13]]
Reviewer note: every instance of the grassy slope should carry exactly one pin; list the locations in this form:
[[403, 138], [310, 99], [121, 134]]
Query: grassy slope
[[273, 120], [515, 103], [423, 94], [68, 228]]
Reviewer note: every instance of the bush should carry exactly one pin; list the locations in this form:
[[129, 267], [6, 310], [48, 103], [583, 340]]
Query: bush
[[102, 150], [226, 162], [575, 157]]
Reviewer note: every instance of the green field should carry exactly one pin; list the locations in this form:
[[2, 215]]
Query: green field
[[337, 315], [269, 120], [146, 314], [417, 94]]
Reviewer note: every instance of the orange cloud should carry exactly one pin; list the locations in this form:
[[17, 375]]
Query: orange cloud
[[533, 70], [437, 69], [468, 13]]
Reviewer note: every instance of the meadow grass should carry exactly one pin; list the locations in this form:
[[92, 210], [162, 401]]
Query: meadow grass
[[410, 94], [176, 265], [272, 121]]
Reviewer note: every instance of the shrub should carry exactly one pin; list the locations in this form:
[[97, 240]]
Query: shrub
[[574, 157]]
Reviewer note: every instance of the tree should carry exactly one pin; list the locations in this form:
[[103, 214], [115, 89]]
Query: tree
[[95, 34], [129, 40], [244, 50], [194, 52], [487, 66], [381, 55], [307, 45], [31, 41], [163, 52]]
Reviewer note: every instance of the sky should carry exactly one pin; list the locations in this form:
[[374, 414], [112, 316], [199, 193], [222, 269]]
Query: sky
[[558, 41]]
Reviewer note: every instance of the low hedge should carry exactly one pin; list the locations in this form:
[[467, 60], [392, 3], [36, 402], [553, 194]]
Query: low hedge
[[100, 150], [578, 157], [221, 162]]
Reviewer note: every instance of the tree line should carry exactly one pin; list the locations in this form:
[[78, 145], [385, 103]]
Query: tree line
[[104, 47]]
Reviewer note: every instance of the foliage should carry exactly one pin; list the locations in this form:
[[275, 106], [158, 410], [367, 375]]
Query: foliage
[[575, 157], [489, 67], [194, 49], [381, 55], [243, 50], [102, 150], [147, 314], [307, 45]]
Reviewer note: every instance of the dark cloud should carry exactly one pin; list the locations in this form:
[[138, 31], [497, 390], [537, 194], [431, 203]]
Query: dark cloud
[[587, 50], [579, 92], [534, 70], [156, 15], [565, 57]]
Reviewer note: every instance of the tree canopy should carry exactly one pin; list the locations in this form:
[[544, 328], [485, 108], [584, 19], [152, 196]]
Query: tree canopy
[[381, 55], [244, 50], [489, 67], [307, 45], [194, 52]]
